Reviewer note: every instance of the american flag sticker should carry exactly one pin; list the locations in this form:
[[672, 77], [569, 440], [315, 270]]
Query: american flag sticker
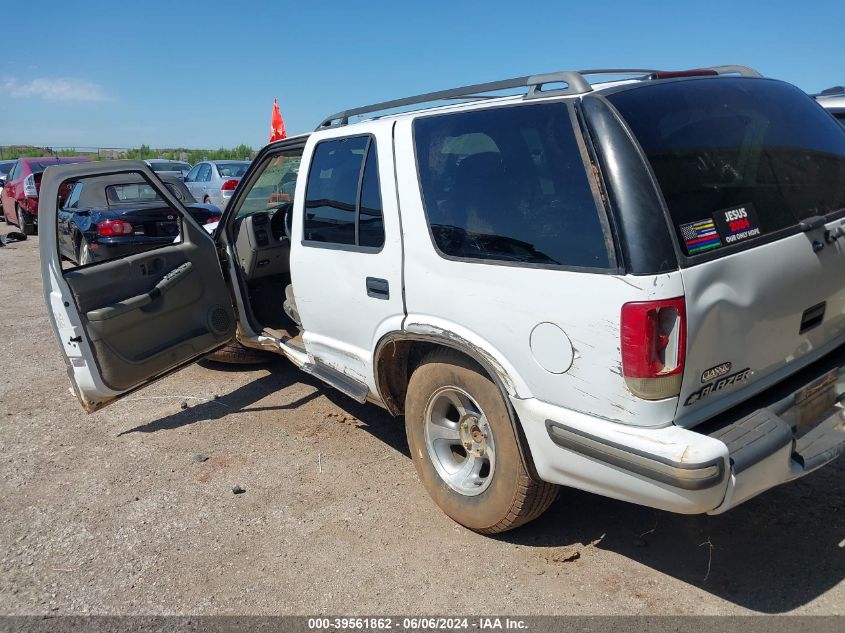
[[700, 236]]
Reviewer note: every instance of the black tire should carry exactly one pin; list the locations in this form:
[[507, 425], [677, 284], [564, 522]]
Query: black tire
[[234, 353], [512, 496], [25, 223]]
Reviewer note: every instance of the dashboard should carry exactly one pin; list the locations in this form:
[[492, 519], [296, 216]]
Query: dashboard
[[262, 244]]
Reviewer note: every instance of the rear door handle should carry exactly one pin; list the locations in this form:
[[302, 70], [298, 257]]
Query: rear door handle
[[378, 288]]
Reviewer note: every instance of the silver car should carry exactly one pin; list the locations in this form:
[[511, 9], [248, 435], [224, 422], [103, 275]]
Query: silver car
[[214, 181]]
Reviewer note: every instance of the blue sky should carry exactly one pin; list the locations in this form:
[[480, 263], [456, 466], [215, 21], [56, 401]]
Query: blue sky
[[204, 74]]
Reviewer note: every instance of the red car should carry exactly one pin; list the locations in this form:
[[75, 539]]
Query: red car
[[20, 193]]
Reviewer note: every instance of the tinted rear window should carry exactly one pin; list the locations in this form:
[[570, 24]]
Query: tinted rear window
[[39, 167], [509, 184], [737, 159], [170, 166]]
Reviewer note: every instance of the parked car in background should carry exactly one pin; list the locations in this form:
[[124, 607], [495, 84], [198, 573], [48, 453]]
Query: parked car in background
[[5, 168], [214, 181], [165, 167], [111, 216], [833, 100], [20, 193]]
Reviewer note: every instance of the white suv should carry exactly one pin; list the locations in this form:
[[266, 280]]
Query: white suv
[[635, 287], [833, 100]]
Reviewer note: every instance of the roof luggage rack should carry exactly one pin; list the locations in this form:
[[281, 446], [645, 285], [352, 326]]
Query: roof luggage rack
[[575, 82], [831, 92]]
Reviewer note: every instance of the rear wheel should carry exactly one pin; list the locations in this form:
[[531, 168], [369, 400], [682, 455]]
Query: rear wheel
[[25, 222], [236, 354], [465, 447]]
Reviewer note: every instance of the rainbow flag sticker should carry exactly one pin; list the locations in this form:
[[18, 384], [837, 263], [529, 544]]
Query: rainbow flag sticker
[[700, 236]]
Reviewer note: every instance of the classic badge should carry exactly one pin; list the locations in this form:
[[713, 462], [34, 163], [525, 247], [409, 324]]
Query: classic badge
[[715, 372]]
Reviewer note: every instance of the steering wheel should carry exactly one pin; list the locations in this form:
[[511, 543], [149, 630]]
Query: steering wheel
[[288, 220]]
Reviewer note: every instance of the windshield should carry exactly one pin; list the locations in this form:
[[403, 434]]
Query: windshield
[[737, 159], [232, 170], [274, 188]]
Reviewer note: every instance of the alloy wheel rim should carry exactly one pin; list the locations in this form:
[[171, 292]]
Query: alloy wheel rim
[[459, 441]]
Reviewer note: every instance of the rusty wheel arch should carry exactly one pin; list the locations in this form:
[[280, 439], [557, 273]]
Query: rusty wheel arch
[[399, 353]]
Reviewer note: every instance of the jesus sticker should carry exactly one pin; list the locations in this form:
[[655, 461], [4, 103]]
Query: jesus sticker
[[737, 223]]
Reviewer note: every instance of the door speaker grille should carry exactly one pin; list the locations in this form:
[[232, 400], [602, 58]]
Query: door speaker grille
[[219, 320]]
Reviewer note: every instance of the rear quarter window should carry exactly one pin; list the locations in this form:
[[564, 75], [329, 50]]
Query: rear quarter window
[[509, 185], [737, 159]]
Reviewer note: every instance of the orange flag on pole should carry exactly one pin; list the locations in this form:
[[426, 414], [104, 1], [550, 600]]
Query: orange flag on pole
[[277, 125]]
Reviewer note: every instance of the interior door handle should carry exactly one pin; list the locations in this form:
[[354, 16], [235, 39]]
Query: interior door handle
[[139, 301], [378, 288]]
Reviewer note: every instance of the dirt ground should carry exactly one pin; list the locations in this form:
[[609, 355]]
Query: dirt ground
[[131, 510]]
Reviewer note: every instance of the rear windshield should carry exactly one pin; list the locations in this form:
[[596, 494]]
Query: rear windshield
[[737, 159], [39, 167], [232, 170], [170, 166], [140, 193]]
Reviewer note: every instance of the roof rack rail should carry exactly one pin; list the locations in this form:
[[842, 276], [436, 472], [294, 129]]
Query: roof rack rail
[[833, 90], [736, 69], [574, 80], [575, 84]]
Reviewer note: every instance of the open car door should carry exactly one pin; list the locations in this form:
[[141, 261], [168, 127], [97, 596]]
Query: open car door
[[132, 295]]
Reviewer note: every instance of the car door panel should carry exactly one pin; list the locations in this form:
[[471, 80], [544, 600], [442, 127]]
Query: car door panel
[[366, 282], [132, 319]]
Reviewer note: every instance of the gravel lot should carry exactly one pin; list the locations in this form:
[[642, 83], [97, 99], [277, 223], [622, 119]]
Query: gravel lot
[[131, 510]]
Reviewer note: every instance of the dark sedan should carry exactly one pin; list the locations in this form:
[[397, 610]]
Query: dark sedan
[[110, 216]]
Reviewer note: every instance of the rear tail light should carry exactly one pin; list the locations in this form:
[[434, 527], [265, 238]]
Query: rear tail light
[[212, 219], [29, 188], [229, 185], [111, 228], [654, 343]]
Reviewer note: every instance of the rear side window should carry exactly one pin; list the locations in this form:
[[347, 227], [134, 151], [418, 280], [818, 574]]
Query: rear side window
[[342, 198], [509, 184], [737, 159]]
